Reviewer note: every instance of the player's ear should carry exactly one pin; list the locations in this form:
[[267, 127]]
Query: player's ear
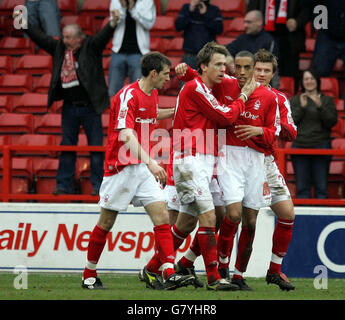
[[153, 73]]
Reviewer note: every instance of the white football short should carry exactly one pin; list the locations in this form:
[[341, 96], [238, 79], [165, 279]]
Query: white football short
[[135, 183], [192, 176], [242, 177], [276, 181], [173, 202]]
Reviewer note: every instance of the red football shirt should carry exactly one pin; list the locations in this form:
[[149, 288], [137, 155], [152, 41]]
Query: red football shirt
[[134, 109]]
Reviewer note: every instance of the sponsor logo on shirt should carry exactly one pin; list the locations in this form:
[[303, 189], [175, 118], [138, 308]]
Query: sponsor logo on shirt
[[152, 120], [248, 115]]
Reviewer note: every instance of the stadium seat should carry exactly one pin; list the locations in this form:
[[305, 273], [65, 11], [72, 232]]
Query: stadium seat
[[287, 86], [42, 83], [338, 131], [304, 64], [106, 64], [95, 9], [68, 7], [164, 27], [224, 40], [234, 27], [338, 143], [173, 47], [21, 175], [105, 123], [309, 49], [34, 64], [85, 22], [7, 6], [43, 140], [174, 62], [6, 64], [16, 46], [49, 123], [31, 103], [15, 83], [173, 7], [13, 123], [45, 171], [230, 9], [336, 180], [171, 88], [330, 86], [157, 44], [339, 103], [6, 103]]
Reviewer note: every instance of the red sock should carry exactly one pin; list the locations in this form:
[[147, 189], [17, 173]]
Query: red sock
[[244, 249], [281, 239], [225, 241], [178, 237], [208, 249], [96, 245], [165, 248]]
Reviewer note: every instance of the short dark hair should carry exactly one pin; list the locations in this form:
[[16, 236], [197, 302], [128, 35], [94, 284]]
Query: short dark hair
[[264, 55], [207, 51], [245, 53], [315, 76], [153, 61]]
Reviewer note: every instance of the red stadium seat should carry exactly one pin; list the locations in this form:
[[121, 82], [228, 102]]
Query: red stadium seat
[[6, 64], [173, 47], [173, 7], [330, 87], [224, 40], [174, 62], [105, 122], [6, 103], [31, 103], [234, 27], [304, 64], [157, 44], [42, 83], [338, 131], [16, 46], [336, 180], [171, 88], [309, 49], [34, 64], [35, 140], [158, 5], [45, 175], [12, 123], [230, 9], [85, 22], [49, 123], [7, 6], [164, 27], [338, 143], [339, 103], [15, 83], [68, 7], [287, 86], [106, 64], [96, 9]]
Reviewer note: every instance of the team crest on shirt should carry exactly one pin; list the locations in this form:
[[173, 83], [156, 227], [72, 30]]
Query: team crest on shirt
[[122, 113], [266, 189], [257, 105]]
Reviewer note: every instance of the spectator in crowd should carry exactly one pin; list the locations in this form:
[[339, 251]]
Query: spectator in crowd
[[314, 114], [287, 25], [44, 14], [330, 41], [254, 38], [78, 80], [200, 22], [131, 40]]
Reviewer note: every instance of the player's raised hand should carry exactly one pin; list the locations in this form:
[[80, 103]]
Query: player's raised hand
[[249, 87], [181, 69]]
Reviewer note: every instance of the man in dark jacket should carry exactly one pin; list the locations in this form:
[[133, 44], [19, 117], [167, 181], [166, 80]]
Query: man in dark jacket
[[78, 80], [287, 26], [200, 22]]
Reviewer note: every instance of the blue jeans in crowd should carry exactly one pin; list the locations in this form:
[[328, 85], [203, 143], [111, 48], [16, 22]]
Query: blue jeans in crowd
[[45, 14], [327, 51], [121, 65], [72, 118], [312, 170]]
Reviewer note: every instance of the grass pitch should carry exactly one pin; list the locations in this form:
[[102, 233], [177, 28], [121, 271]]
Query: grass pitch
[[57, 286]]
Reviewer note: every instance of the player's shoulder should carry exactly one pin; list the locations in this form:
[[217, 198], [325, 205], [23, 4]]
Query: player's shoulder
[[266, 92], [280, 95]]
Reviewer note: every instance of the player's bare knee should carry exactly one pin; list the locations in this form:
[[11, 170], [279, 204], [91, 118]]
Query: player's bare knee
[[208, 219], [107, 219]]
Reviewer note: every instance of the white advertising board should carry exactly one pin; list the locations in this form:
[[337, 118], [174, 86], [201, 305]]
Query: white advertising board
[[54, 238]]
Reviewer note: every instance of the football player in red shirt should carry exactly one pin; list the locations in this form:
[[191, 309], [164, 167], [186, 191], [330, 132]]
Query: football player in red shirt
[[133, 116]]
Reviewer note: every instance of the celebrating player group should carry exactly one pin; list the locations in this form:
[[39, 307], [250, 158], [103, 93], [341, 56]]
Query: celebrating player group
[[220, 172]]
